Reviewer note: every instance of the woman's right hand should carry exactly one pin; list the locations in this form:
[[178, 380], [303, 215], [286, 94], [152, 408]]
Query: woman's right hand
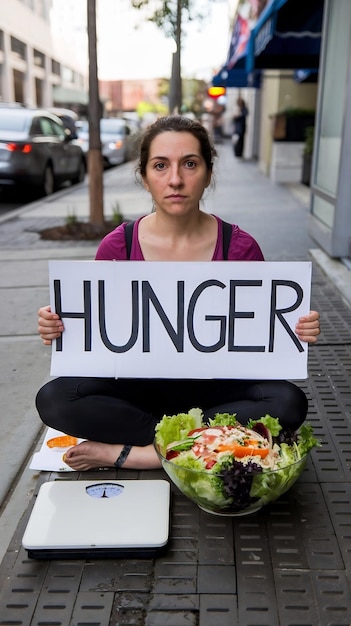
[[50, 325]]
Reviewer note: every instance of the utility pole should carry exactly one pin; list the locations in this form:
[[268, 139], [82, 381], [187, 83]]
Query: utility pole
[[95, 167], [175, 94]]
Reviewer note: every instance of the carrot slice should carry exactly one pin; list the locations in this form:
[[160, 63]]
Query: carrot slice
[[241, 451], [64, 441]]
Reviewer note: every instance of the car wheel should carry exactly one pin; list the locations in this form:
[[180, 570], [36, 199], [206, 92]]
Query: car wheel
[[48, 184], [79, 177]]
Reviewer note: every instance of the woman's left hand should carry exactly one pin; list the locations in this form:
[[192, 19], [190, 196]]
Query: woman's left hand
[[308, 327]]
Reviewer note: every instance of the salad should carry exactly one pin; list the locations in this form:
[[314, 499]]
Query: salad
[[226, 467]]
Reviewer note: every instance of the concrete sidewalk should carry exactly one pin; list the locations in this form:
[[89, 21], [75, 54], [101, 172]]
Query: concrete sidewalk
[[276, 215]]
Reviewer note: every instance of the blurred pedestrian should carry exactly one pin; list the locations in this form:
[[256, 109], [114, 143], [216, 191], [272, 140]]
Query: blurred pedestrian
[[239, 127]]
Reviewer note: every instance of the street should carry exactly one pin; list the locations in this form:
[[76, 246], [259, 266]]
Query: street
[[13, 198]]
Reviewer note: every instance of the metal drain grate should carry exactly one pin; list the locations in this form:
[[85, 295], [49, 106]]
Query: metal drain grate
[[335, 313]]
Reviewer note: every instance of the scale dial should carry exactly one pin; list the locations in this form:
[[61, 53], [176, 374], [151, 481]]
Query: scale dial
[[104, 490]]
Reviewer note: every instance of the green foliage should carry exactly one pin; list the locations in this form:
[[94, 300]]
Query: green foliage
[[298, 112], [71, 217], [194, 92], [165, 13], [169, 16], [117, 217], [309, 136]]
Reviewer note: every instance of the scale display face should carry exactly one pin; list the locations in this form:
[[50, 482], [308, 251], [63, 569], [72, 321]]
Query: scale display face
[[104, 490], [73, 517]]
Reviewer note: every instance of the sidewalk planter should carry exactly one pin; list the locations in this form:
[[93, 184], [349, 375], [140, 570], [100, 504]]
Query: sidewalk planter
[[289, 130], [306, 169], [286, 161], [307, 156], [291, 125]]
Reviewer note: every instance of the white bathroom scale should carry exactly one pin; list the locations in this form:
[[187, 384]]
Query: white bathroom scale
[[99, 519]]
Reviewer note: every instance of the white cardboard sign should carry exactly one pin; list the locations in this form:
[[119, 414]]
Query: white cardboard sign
[[137, 319]]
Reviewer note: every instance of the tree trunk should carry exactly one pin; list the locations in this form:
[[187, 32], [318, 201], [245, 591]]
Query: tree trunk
[[175, 92], [95, 165]]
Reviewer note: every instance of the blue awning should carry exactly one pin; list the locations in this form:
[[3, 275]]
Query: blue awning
[[287, 35], [236, 78]]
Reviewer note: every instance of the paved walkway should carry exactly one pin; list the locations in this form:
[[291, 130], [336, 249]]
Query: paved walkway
[[287, 565]]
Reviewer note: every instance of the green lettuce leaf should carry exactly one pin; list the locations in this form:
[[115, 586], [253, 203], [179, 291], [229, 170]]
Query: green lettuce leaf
[[306, 439], [268, 486], [223, 419], [272, 423], [176, 427], [203, 487]]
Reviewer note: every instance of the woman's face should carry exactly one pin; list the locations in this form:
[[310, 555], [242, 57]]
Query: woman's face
[[176, 172]]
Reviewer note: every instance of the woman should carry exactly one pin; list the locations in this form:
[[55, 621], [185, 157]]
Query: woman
[[118, 417]]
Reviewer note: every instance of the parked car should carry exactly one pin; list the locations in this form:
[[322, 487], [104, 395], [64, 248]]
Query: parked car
[[35, 150], [119, 139], [68, 118]]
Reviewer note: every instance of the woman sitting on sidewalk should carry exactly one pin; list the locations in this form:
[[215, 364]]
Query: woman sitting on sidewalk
[[117, 417]]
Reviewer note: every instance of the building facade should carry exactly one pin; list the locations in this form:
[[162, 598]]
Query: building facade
[[35, 68]]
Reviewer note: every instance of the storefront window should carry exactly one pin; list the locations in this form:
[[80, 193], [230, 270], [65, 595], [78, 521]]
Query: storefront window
[[332, 99]]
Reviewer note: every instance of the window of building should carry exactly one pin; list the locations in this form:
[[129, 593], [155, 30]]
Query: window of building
[[80, 80], [29, 4], [18, 83], [39, 92], [41, 9], [67, 75], [39, 58], [55, 67], [18, 48]]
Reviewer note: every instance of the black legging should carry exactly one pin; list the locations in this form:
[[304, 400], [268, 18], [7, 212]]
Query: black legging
[[127, 410]]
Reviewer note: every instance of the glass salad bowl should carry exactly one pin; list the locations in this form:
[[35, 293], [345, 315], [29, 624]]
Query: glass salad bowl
[[228, 469]]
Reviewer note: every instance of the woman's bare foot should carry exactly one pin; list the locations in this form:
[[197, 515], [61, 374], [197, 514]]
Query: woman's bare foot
[[93, 454]]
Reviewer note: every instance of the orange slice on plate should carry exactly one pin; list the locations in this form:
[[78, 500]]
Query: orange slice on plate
[[63, 441]]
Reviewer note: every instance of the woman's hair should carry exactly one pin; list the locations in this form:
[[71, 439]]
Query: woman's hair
[[177, 124]]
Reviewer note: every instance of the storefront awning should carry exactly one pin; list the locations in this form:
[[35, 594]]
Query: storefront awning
[[233, 73], [287, 35], [236, 78], [65, 95]]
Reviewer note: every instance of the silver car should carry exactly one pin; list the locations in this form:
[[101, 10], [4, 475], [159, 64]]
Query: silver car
[[35, 150], [118, 139]]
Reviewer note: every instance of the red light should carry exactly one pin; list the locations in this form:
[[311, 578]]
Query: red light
[[15, 147]]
